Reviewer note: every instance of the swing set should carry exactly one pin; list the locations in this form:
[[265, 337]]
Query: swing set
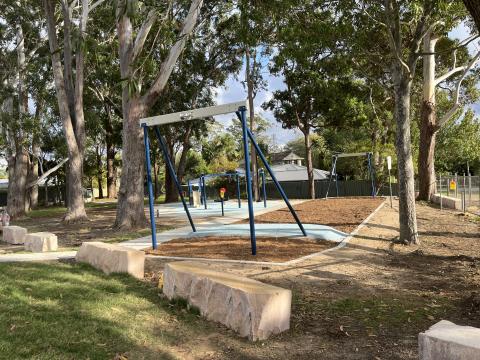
[[240, 109], [334, 175]]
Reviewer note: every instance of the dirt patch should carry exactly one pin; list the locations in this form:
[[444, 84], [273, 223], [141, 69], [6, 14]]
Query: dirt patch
[[368, 300], [343, 214], [238, 248], [99, 227]]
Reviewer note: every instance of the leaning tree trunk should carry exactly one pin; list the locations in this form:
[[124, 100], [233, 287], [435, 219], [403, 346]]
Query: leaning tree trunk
[[308, 151], [130, 208], [406, 184]]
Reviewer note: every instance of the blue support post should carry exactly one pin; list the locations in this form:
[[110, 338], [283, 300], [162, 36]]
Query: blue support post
[[277, 184], [168, 161], [242, 114], [238, 191], [149, 185], [264, 188]]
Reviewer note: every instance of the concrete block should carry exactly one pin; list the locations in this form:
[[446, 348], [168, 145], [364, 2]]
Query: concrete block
[[447, 341], [251, 308], [41, 242], [14, 234], [112, 258], [448, 202], [196, 199]]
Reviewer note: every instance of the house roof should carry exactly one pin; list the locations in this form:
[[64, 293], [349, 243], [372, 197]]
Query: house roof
[[284, 155], [293, 172]]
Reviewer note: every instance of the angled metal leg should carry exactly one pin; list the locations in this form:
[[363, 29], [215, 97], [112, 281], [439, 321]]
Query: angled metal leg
[[334, 171], [169, 163], [238, 191], [149, 185], [242, 114], [277, 184]]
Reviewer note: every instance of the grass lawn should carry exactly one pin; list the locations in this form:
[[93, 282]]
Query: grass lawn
[[65, 311]]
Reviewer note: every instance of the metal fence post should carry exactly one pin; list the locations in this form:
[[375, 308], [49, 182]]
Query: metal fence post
[[440, 191], [456, 185]]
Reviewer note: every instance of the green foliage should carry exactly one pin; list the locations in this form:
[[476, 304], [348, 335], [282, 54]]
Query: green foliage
[[458, 143]]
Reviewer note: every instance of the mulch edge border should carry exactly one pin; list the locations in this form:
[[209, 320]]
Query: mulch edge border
[[340, 245]]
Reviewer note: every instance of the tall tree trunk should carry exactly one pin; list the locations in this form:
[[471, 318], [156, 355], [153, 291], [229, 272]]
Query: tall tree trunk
[[428, 119], [110, 145], [99, 173], [17, 200], [130, 209], [406, 184], [308, 151], [250, 95], [76, 208]]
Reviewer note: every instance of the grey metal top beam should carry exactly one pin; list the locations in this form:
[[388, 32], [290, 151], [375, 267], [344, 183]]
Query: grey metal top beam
[[200, 113], [351, 154]]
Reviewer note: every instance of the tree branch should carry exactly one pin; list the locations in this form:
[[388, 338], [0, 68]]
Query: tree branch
[[448, 74], [167, 66], [456, 102], [143, 34]]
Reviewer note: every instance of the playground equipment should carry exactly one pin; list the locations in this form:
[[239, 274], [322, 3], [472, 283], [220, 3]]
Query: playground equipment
[[202, 186], [240, 109], [371, 170]]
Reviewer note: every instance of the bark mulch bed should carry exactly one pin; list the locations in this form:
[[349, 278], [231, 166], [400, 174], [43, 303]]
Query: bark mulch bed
[[238, 248], [343, 214]]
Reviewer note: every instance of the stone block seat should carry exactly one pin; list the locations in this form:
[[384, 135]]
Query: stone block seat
[[447, 341], [251, 308], [41, 242], [112, 258], [447, 201], [14, 234]]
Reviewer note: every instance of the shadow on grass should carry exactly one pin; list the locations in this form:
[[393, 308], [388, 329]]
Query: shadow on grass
[[52, 311]]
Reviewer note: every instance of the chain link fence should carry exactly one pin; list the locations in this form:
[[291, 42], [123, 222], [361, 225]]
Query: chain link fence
[[463, 187]]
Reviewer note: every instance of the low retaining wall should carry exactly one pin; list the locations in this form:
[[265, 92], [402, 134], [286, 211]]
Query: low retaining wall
[[448, 202], [251, 308]]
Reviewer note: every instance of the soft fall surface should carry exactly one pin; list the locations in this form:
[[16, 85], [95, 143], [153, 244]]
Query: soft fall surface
[[343, 214], [239, 248]]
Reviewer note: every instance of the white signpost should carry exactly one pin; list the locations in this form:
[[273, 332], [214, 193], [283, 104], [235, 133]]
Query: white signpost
[[389, 167]]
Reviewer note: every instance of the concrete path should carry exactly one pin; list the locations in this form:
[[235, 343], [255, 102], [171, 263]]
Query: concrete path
[[48, 256], [210, 217]]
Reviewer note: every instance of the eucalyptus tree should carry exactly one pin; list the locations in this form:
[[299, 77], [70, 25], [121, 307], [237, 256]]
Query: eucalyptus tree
[[451, 59], [210, 56], [69, 78], [254, 36], [175, 25], [311, 59], [21, 41]]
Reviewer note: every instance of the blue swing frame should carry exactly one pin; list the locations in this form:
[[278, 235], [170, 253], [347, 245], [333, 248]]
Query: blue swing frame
[[241, 112]]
